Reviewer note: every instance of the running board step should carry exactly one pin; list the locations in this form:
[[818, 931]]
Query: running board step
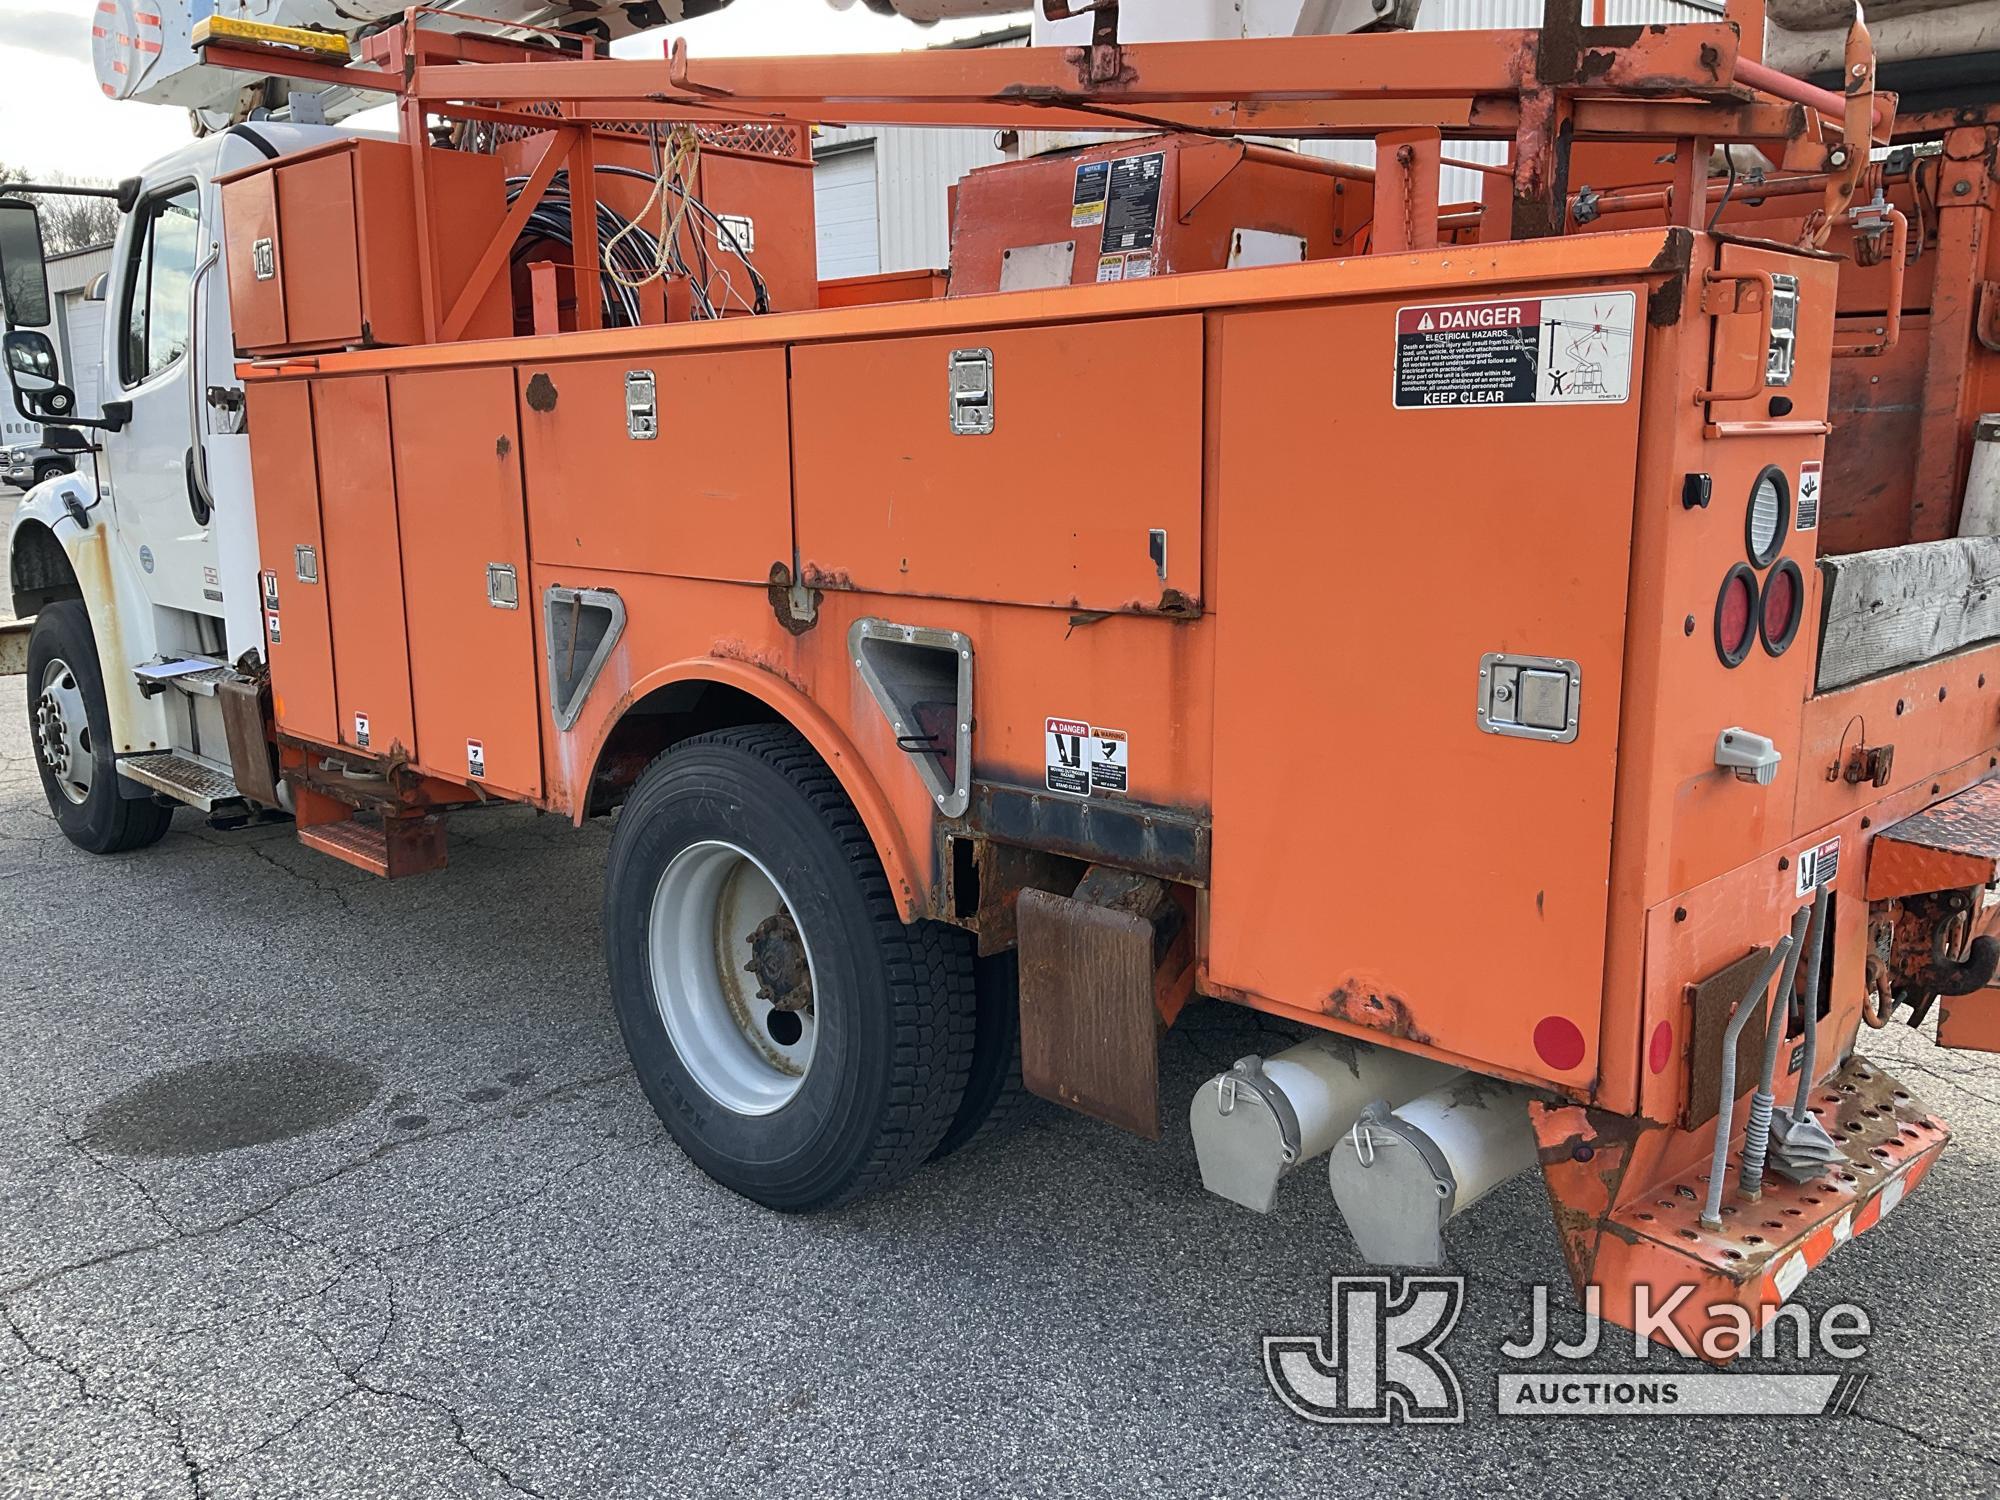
[[389, 847], [195, 782]]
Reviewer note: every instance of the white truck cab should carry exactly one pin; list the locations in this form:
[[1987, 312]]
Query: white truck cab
[[153, 540]]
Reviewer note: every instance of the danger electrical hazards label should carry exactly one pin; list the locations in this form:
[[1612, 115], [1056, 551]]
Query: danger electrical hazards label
[[1521, 351], [1083, 758]]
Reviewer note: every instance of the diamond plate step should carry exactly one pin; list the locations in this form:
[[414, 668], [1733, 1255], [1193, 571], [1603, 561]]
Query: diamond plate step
[[195, 782], [391, 848]]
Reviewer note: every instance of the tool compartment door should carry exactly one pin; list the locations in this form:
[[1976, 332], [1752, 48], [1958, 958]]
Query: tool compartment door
[[458, 501], [283, 470], [1378, 857], [1096, 444], [363, 566], [709, 495]]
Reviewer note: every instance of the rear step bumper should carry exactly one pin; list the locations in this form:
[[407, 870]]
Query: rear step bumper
[[389, 847], [1635, 1233]]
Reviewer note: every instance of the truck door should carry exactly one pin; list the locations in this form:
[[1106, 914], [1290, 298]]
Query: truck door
[[161, 522]]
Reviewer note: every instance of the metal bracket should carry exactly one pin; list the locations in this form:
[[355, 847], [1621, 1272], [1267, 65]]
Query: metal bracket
[[305, 562]]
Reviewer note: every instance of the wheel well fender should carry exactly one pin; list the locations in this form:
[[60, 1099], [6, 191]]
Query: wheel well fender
[[39, 570], [693, 697]]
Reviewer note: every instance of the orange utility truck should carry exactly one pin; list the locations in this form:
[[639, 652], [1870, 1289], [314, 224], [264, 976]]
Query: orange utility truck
[[1543, 646]]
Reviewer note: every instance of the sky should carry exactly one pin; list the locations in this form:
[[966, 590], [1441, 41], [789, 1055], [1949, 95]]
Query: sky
[[54, 117]]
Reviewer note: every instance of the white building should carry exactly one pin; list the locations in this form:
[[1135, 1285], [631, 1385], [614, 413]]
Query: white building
[[880, 193]]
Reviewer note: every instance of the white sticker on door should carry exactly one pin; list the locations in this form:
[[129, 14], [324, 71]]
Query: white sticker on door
[[1521, 351], [361, 731], [475, 759], [1807, 508], [1067, 756], [1110, 760], [1818, 866]]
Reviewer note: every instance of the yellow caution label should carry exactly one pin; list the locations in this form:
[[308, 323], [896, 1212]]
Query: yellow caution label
[[255, 34]]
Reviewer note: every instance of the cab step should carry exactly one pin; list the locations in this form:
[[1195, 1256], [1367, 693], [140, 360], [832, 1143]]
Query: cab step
[[389, 847], [185, 778]]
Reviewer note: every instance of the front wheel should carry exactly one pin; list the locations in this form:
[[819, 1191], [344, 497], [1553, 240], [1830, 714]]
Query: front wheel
[[49, 469], [799, 1041], [71, 730]]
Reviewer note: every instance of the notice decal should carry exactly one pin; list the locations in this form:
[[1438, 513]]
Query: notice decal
[[1523, 351], [1806, 507]]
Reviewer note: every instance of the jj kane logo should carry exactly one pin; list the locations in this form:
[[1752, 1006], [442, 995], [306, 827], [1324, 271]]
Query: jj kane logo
[[1382, 1359]]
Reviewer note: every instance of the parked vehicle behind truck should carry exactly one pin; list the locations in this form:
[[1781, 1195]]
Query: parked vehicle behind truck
[[1455, 628]]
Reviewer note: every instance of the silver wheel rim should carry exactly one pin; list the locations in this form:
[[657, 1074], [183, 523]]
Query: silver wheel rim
[[62, 732], [733, 978]]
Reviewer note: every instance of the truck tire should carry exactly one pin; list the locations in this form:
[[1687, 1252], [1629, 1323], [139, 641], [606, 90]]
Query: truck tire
[[71, 731], [996, 1101], [801, 1043], [48, 469]]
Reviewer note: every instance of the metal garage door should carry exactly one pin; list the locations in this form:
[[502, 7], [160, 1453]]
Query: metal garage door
[[844, 207], [83, 360]]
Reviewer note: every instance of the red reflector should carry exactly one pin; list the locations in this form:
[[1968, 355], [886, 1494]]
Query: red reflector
[[1660, 1051], [1783, 604], [1559, 1042], [1736, 615]]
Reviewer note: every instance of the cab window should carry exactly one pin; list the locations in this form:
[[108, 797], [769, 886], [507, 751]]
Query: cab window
[[159, 285]]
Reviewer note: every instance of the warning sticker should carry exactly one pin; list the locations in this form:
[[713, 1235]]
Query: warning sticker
[[1137, 266], [1068, 757], [1086, 204], [1526, 351], [1817, 867], [475, 759], [1133, 208], [1110, 759], [1110, 268], [270, 590], [1808, 502], [361, 730], [271, 631]]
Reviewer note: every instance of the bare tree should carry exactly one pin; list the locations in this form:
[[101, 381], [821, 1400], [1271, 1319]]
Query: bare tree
[[68, 223]]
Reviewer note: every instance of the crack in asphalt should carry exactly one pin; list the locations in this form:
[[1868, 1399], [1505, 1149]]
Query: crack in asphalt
[[1925, 1440], [381, 1152], [175, 1431]]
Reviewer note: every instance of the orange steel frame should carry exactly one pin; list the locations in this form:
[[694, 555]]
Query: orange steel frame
[[1296, 679]]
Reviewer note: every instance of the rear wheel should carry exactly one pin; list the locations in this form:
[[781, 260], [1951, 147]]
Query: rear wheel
[[996, 1100], [48, 469], [71, 730], [799, 1041]]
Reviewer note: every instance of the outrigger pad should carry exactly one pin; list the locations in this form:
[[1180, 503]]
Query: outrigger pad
[[1628, 1193]]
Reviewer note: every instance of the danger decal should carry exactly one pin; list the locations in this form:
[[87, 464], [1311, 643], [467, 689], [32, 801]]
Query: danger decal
[[1522, 351], [1082, 758]]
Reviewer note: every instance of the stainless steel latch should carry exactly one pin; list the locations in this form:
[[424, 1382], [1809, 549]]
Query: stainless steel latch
[[503, 588], [305, 562], [971, 377], [642, 411], [1531, 697]]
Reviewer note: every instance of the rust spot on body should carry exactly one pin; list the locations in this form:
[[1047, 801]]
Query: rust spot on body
[[816, 577], [1361, 1006], [541, 393], [502, 446], [732, 649]]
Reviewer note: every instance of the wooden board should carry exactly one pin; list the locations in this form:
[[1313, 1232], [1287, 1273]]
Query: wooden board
[[1899, 606]]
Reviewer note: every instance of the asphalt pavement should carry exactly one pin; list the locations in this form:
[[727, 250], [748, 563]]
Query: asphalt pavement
[[316, 1185]]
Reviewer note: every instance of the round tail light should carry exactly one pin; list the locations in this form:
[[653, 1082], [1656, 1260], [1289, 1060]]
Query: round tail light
[[1770, 514], [1736, 615], [1782, 606]]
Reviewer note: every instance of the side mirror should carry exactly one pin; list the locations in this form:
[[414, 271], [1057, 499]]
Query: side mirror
[[35, 375], [24, 279]]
